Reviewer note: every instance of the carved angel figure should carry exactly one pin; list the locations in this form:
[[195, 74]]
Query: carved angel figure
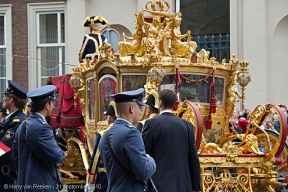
[[179, 48], [133, 47], [232, 92], [150, 43]]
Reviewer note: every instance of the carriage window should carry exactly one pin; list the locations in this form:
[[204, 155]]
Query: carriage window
[[196, 92], [91, 98], [133, 82], [107, 87]]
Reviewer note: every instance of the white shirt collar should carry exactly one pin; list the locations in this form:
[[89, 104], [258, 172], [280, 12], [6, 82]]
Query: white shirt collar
[[166, 111], [9, 115]]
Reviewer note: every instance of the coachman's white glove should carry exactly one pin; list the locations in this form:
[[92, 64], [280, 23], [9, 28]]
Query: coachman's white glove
[[87, 187]]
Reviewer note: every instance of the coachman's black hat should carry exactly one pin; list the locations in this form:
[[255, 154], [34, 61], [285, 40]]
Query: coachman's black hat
[[130, 96], [95, 19], [16, 89], [153, 99], [111, 110], [45, 92]]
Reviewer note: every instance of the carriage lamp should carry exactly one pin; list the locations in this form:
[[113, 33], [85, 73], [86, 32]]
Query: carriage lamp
[[156, 74], [243, 78], [76, 83]]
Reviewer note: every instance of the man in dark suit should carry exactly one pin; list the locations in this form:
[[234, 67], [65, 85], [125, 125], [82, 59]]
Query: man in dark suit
[[134, 167], [14, 101], [36, 147], [96, 171], [93, 40], [170, 141]]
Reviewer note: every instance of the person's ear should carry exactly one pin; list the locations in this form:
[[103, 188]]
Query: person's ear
[[131, 109], [47, 105], [160, 104]]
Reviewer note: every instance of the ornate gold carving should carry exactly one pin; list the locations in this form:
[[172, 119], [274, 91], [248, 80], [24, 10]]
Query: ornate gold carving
[[151, 40], [231, 150], [216, 160]]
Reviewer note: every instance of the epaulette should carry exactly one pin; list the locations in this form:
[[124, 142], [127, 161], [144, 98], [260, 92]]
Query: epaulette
[[16, 120], [129, 126], [42, 121]]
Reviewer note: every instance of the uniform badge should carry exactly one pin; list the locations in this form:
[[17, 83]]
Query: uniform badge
[[16, 120], [9, 134]]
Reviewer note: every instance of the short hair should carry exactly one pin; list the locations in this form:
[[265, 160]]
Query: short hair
[[39, 105], [122, 107], [18, 102], [168, 98]]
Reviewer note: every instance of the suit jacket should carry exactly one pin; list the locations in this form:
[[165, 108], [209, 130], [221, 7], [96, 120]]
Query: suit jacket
[[128, 147], [170, 141], [37, 142]]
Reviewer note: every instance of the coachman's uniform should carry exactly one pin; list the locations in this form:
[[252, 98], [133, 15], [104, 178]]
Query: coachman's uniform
[[152, 101], [36, 147], [92, 41], [8, 128], [96, 170]]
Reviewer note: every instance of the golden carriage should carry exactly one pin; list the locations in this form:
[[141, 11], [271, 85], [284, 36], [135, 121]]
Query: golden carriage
[[155, 58]]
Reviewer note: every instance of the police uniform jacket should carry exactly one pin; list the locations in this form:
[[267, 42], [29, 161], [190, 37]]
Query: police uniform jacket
[[36, 143], [128, 146], [8, 128], [170, 141]]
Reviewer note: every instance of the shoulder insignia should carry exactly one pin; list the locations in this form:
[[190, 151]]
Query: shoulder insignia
[[9, 134], [41, 121], [130, 126], [16, 120]]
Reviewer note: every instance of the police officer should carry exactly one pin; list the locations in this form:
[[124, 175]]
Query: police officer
[[152, 108], [95, 39], [14, 101], [96, 166], [35, 145], [131, 167]]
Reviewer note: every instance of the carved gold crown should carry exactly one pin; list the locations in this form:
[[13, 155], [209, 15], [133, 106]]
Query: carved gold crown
[[157, 5], [244, 64]]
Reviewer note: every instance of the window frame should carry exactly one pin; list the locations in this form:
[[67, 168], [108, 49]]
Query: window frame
[[34, 11], [6, 11]]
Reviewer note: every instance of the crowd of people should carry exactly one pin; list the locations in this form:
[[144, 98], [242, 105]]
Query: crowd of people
[[238, 122]]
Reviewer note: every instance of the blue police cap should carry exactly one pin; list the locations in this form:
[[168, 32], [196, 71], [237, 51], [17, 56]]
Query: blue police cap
[[16, 89], [130, 96], [43, 93]]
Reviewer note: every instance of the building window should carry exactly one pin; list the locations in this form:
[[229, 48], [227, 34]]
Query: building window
[[46, 45], [5, 47], [50, 45], [209, 25]]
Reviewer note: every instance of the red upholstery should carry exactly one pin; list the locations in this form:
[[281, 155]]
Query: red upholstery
[[64, 114]]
